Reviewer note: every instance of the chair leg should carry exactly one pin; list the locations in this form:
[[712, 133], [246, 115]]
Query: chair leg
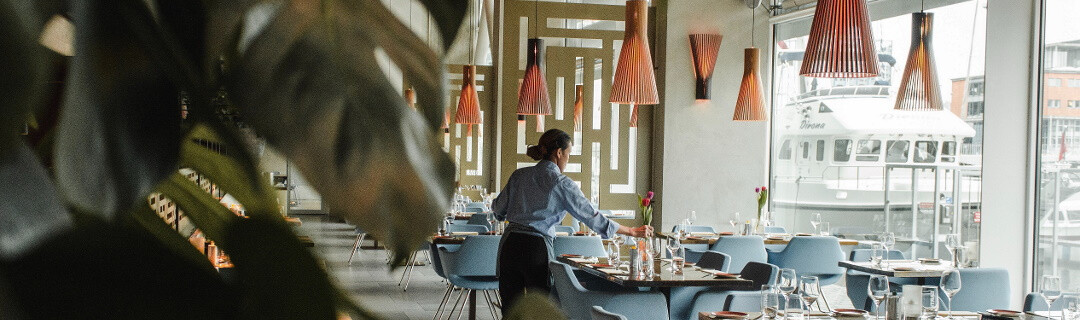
[[408, 266], [443, 302], [464, 304], [457, 302], [355, 246], [412, 268], [491, 305]]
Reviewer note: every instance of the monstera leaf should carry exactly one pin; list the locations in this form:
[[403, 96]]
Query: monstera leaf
[[18, 90], [311, 86]]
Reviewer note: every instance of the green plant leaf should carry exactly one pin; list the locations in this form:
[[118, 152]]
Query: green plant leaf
[[448, 15], [30, 209], [203, 210], [323, 101], [236, 172], [20, 90], [534, 306], [173, 241], [119, 128]]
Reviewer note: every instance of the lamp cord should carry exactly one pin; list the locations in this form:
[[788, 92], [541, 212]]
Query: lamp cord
[[536, 15], [753, 25]]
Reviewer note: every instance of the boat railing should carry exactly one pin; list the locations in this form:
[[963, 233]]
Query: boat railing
[[847, 91], [948, 189]]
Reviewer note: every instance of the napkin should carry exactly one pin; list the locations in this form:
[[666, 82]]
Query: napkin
[[702, 234], [612, 271], [562, 234]]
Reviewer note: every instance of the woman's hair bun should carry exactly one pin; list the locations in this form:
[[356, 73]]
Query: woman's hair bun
[[535, 152]]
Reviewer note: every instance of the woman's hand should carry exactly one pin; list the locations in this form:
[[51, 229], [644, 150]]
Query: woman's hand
[[640, 232]]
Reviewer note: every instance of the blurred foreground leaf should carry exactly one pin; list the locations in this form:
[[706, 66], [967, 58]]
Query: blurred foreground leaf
[[30, 209], [19, 90], [534, 306]]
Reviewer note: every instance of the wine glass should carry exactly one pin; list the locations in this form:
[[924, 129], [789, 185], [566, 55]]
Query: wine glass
[[952, 242], [877, 254], [492, 222], [888, 239], [613, 254], [787, 282], [878, 289], [929, 302], [734, 222], [657, 247], [950, 284], [815, 220], [1050, 290], [810, 289], [673, 245], [693, 217], [770, 302]]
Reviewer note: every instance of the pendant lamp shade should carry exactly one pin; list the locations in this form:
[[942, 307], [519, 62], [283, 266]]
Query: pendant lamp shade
[[533, 94], [919, 87], [635, 82], [446, 122], [410, 97], [841, 44], [468, 110], [750, 105], [703, 50], [579, 106]]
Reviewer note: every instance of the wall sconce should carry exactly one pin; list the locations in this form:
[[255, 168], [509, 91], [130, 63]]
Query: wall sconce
[[703, 51]]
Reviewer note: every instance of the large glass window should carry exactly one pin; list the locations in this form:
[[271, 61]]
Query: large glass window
[[1058, 213], [877, 148]]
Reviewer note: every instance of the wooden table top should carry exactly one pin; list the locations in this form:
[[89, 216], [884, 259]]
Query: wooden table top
[[914, 269], [769, 239], [690, 277], [822, 316]]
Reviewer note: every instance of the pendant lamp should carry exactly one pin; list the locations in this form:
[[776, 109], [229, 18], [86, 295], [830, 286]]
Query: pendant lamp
[[635, 82], [703, 50], [410, 97], [468, 109], [579, 106], [918, 87], [750, 105], [841, 44], [446, 122], [540, 124], [533, 94]]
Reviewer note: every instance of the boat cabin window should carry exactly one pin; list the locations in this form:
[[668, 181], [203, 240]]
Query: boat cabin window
[[896, 151], [925, 151], [785, 150], [948, 151], [842, 150], [805, 150], [869, 150], [820, 150]]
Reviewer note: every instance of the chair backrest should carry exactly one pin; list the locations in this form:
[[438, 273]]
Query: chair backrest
[[480, 219], [741, 249], [983, 288], [715, 260], [811, 256], [585, 246], [436, 260], [1036, 302], [761, 273], [474, 209], [475, 258], [468, 228], [863, 255], [567, 229], [775, 229], [598, 313], [693, 228]]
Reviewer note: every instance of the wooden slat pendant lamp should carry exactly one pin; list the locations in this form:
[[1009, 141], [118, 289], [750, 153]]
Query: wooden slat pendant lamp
[[635, 81], [533, 94], [579, 106], [468, 110], [410, 97], [919, 87], [841, 44], [703, 51], [750, 106]]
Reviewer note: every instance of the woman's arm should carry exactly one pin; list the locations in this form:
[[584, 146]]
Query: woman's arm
[[579, 207], [640, 232]]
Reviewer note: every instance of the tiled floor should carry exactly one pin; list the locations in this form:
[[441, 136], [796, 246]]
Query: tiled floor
[[375, 287]]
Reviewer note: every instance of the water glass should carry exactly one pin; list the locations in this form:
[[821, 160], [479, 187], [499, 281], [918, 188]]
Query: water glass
[[810, 289], [787, 282], [878, 289], [794, 308], [929, 302], [1070, 308], [678, 260], [1050, 289], [825, 230], [877, 254], [613, 254], [770, 301]]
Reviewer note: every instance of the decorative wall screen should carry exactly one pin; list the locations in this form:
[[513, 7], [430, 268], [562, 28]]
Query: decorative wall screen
[[610, 160], [472, 154]]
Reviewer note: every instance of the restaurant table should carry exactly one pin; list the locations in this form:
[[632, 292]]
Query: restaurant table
[[690, 277], [918, 269], [963, 315], [775, 239]]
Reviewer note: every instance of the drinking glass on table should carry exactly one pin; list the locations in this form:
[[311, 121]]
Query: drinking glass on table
[[815, 220], [929, 302], [1050, 289], [787, 282], [793, 309], [770, 302], [950, 284], [877, 254], [673, 245], [825, 229], [878, 289], [692, 218], [810, 288], [734, 222], [613, 254], [678, 260], [1070, 308], [657, 247], [888, 239], [493, 223], [952, 242]]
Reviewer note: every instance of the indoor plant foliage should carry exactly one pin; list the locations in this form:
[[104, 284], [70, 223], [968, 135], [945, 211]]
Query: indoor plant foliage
[[76, 237], [646, 202], [762, 200]]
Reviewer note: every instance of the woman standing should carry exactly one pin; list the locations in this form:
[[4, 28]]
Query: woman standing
[[534, 201]]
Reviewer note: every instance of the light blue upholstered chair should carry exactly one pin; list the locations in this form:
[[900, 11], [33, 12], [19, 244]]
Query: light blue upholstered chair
[[983, 288], [598, 313], [1035, 302], [857, 281], [687, 307], [741, 249], [472, 268], [474, 207], [812, 256], [436, 263], [775, 229], [480, 219], [568, 229], [360, 235], [585, 246], [468, 228], [577, 301], [693, 228], [681, 297]]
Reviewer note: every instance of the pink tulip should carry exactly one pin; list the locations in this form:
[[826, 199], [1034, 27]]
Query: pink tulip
[[649, 195], [763, 189], [645, 202], [757, 190]]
